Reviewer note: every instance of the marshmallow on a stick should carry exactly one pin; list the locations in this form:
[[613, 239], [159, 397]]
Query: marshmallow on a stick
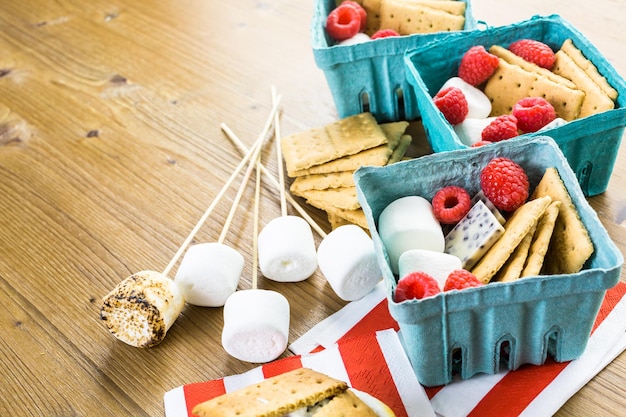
[[287, 249], [256, 325], [409, 223], [141, 309], [209, 273], [347, 258]]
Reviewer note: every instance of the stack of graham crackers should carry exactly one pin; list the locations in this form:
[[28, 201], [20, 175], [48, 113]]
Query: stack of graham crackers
[[573, 86], [544, 236], [322, 162]]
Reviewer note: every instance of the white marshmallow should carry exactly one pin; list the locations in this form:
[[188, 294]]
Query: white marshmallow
[[436, 264], [478, 103], [558, 122], [356, 39], [409, 223], [286, 249], [256, 325], [209, 273], [470, 130], [347, 258]]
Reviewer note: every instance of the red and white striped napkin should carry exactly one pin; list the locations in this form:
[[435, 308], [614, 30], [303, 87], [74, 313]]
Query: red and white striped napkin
[[528, 391], [359, 344], [374, 363]]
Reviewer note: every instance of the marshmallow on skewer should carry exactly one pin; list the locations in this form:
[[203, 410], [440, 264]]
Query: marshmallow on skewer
[[256, 322], [209, 273], [347, 259], [256, 325], [478, 104], [436, 264], [409, 223], [141, 309], [287, 249]]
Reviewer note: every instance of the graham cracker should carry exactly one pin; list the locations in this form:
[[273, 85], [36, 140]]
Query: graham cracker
[[346, 404], [336, 221], [400, 150], [541, 240], [351, 216], [372, 7], [376, 156], [592, 71], [322, 181], [448, 6], [596, 100], [274, 397], [343, 198], [570, 246], [519, 224], [347, 136], [510, 83], [512, 58], [514, 266], [407, 18]]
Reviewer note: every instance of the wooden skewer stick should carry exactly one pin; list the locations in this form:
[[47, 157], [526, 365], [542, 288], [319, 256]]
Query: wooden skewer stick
[[221, 193], [279, 158], [275, 182], [255, 234], [240, 191]]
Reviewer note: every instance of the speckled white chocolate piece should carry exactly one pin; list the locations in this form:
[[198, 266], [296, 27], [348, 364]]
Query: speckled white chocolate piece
[[470, 238]]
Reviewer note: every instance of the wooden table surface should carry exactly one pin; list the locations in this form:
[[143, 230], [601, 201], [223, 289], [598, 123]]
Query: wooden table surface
[[111, 150]]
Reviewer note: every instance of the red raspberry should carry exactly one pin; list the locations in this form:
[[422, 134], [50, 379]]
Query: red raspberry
[[452, 103], [359, 9], [343, 23], [501, 128], [481, 143], [477, 65], [533, 113], [416, 285], [504, 183], [533, 51], [450, 204], [384, 33], [460, 279]]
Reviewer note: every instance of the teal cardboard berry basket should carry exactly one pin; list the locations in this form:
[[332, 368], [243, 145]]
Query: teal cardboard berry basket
[[479, 330], [370, 76], [590, 144]]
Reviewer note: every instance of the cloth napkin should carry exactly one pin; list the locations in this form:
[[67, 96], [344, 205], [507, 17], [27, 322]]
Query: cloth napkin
[[527, 391], [373, 362]]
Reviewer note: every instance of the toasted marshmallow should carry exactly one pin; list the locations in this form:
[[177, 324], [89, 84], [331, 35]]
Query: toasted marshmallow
[[347, 258], [209, 273], [256, 325], [287, 249], [141, 309], [409, 223]]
